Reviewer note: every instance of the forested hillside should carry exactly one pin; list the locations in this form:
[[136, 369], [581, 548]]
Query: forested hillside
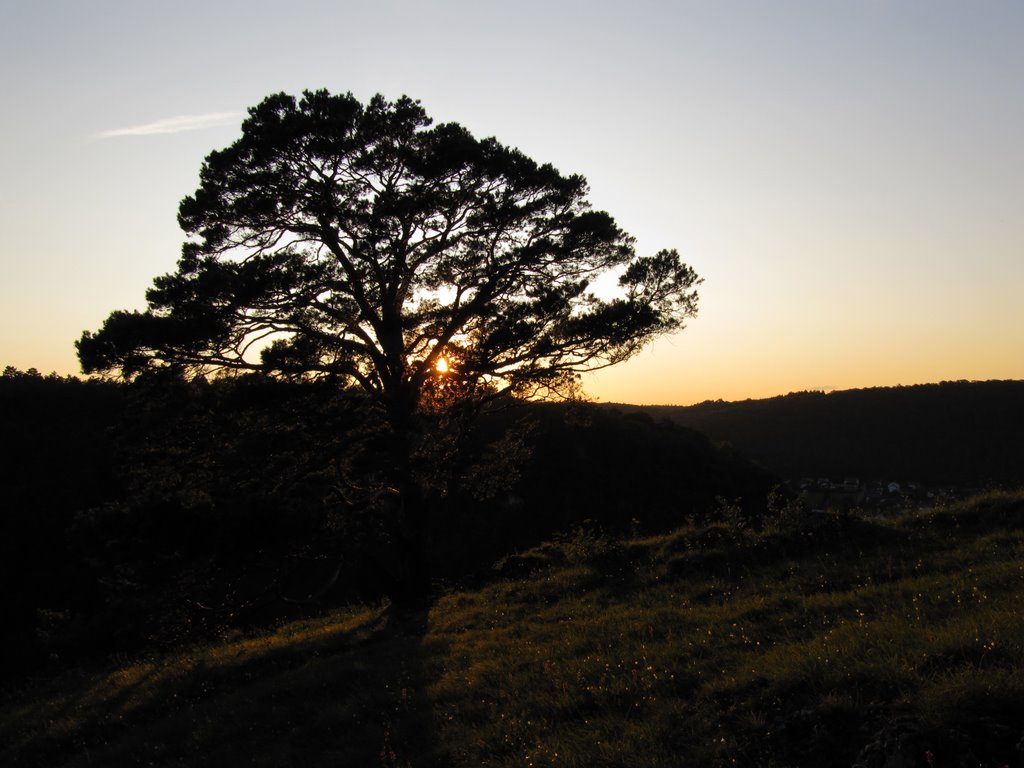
[[202, 583], [953, 433], [165, 511]]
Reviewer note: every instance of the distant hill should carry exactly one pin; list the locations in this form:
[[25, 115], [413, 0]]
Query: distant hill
[[588, 465], [953, 433]]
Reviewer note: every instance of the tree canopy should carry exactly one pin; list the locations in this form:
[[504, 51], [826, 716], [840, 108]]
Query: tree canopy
[[430, 269], [364, 242]]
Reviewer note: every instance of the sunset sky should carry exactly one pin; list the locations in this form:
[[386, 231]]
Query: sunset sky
[[847, 177]]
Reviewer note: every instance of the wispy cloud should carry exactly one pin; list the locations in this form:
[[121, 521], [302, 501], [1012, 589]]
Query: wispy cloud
[[178, 124]]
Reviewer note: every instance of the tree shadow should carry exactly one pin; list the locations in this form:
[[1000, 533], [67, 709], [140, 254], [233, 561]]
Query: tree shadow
[[351, 695]]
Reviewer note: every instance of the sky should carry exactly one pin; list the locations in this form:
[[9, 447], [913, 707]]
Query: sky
[[846, 177]]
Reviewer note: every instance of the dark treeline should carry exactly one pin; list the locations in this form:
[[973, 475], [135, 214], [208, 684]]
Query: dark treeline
[[58, 458], [953, 433], [163, 511]]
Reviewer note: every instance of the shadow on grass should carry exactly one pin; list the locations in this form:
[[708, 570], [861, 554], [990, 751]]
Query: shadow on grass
[[333, 692]]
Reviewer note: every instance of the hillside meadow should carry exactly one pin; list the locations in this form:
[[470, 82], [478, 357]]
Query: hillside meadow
[[791, 640]]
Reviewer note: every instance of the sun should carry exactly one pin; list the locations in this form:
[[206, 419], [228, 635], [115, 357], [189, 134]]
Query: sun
[[441, 365]]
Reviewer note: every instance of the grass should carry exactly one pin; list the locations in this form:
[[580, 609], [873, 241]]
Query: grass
[[816, 642]]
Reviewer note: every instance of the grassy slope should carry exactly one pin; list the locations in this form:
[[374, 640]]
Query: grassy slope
[[807, 643]]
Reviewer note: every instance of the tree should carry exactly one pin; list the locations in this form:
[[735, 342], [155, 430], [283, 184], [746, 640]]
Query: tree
[[430, 269]]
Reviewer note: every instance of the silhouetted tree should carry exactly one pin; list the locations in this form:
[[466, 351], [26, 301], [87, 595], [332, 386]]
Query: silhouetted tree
[[431, 269]]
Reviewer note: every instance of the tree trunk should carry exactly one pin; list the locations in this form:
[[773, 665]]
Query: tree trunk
[[412, 583]]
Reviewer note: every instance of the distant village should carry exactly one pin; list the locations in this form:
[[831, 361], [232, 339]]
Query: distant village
[[851, 494]]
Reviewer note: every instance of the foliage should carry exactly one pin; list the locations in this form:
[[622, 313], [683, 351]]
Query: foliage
[[58, 459], [833, 643], [369, 245], [364, 245]]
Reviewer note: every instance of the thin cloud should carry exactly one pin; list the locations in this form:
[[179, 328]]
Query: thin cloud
[[178, 124]]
